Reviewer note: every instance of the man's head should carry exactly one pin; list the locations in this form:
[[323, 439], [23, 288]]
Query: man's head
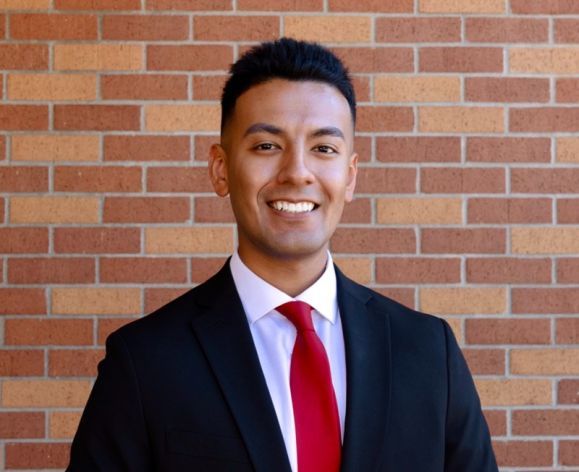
[[286, 156], [287, 59]]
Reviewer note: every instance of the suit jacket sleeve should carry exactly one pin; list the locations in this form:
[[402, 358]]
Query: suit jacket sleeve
[[112, 432], [468, 444]]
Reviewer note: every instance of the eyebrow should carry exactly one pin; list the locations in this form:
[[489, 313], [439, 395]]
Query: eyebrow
[[271, 129], [262, 128]]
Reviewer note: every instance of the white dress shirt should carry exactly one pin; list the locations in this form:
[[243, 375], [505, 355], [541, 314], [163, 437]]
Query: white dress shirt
[[274, 336]]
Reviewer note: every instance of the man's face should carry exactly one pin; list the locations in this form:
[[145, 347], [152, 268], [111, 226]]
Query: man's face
[[288, 164]]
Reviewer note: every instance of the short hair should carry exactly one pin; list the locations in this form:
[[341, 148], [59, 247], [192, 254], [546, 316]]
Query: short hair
[[289, 59]]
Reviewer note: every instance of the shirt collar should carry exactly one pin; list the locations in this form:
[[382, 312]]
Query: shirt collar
[[259, 298]]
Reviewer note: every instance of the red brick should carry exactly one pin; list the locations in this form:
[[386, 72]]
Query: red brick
[[507, 30], [189, 5], [417, 270], [508, 270], [417, 30], [146, 209], [202, 145], [383, 118], [544, 180], [2, 148], [405, 296], [23, 179], [189, 57], [358, 211], [143, 270], [509, 210], [2, 26], [147, 148], [568, 331], [98, 4], [144, 87], [523, 453], [23, 117], [508, 331], [107, 325], [97, 240], [37, 455], [361, 88], [508, 149], [97, 179], [552, 7], [145, 27], [20, 362], [22, 301], [568, 392], [458, 241], [281, 5], [461, 59], [376, 60], [23, 240], [363, 146], [178, 179], [97, 117], [46, 332], [385, 180], [23, 56], [209, 87], [546, 423], [568, 211], [374, 240], [462, 180], [235, 28], [544, 120], [568, 270], [157, 297], [418, 149], [22, 425], [485, 361], [204, 267], [567, 31], [56, 270], [492, 89], [497, 421], [213, 210], [43, 26], [567, 90], [74, 362], [373, 6], [569, 452], [545, 300]]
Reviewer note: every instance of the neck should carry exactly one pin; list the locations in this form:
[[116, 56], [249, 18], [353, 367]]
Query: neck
[[290, 275]]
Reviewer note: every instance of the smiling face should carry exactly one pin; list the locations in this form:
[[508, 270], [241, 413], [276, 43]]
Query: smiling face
[[287, 162]]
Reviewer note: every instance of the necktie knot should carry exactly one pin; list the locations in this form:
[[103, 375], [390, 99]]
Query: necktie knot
[[299, 313]]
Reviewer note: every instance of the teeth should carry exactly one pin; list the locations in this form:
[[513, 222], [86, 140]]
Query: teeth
[[300, 207]]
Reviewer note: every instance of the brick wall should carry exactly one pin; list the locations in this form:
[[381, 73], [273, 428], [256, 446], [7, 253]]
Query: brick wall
[[468, 196]]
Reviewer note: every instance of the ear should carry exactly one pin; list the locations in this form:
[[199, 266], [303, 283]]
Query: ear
[[218, 170], [351, 182]]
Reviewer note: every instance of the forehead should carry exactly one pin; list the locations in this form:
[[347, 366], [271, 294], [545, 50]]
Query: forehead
[[288, 103]]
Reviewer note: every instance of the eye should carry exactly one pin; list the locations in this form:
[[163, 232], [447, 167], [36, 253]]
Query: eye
[[265, 147], [325, 149]]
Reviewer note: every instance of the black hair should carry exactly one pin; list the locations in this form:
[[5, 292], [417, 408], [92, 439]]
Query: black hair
[[288, 59]]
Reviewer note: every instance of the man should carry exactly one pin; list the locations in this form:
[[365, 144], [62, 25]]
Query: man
[[279, 362]]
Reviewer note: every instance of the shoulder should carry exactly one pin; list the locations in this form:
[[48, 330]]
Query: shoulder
[[403, 321], [174, 318]]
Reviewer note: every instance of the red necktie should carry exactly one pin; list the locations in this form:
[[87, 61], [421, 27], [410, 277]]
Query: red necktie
[[314, 402]]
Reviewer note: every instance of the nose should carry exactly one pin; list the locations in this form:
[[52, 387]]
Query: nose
[[295, 167]]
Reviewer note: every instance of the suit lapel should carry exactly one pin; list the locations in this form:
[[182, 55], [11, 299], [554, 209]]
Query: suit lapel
[[224, 335], [367, 342]]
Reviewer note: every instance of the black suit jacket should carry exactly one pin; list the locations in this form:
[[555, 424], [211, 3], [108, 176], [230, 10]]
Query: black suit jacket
[[182, 390]]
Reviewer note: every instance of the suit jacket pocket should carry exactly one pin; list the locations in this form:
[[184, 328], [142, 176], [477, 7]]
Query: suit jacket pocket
[[230, 448]]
